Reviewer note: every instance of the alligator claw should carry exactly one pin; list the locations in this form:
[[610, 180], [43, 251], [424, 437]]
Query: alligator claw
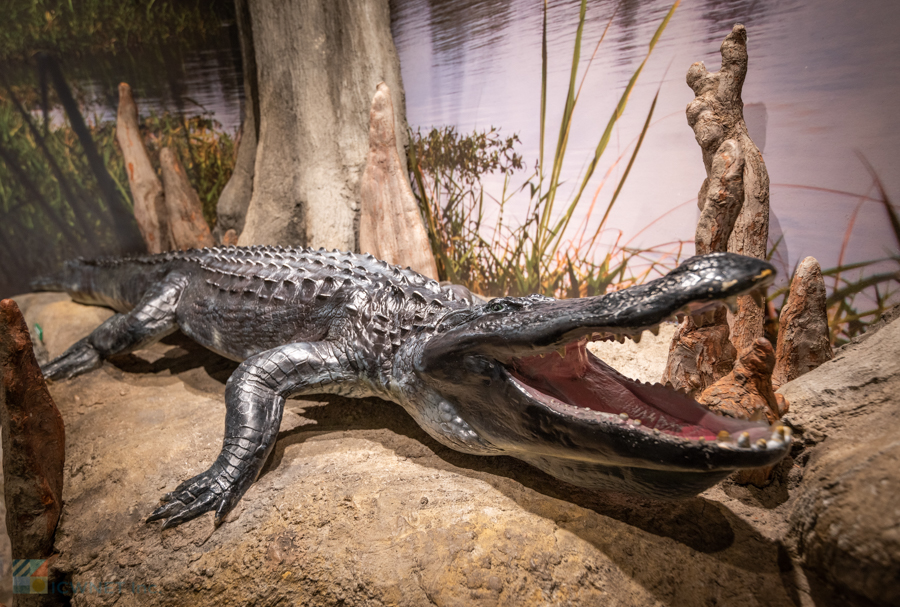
[[204, 503], [195, 496], [80, 358]]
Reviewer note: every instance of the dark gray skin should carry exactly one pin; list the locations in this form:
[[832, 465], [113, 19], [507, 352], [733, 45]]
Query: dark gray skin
[[507, 377]]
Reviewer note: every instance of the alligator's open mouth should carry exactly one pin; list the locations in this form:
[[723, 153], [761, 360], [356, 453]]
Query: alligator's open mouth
[[573, 382]]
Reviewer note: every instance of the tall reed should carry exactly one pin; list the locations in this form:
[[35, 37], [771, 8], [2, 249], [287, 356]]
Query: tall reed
[[858, 293], [542, 254]]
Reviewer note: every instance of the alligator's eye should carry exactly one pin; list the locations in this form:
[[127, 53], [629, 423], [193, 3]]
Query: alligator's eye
[[497, 306]]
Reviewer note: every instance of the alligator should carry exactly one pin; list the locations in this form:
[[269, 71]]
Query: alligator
[[509, 376]]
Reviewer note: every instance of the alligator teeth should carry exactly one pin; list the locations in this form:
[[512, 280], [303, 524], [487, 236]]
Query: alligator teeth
[[623, 416], [723, 436], [656, 431], [636, 422], [620, 338], [732, 304], [680, 317], [709, 317], [655, 330], [784, 431], [701, 440], [761, 444], [698, 319], [758, 297], [637, 338], [561, 351], [743, 440]]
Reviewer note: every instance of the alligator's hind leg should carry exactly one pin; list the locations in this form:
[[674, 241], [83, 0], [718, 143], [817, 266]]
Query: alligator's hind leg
[[153, 318], [254, 399]]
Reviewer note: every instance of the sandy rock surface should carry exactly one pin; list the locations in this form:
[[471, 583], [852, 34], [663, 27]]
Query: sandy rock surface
[[358, 506], [845, 519], [645, 361]]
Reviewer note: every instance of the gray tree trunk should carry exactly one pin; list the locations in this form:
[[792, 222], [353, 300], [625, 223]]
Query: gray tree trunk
[[317, 64]]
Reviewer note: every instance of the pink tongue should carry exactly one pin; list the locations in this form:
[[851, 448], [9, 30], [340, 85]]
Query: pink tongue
[[583, 380]]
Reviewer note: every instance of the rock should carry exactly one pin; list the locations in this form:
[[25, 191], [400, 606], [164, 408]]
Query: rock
[[5, 549], [358, 506], [61, 322], [845, 519], [645, 361], [803, 336], [33, 441]]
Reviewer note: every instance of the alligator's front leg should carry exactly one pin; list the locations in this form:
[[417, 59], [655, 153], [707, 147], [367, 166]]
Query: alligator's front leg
[[254, 398], [151, 319]]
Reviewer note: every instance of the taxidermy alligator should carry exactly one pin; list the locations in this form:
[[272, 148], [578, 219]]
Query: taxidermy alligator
[[508, 377]]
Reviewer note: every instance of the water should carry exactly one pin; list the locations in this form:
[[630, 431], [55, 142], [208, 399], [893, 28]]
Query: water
[[188, 79], [822, 88]]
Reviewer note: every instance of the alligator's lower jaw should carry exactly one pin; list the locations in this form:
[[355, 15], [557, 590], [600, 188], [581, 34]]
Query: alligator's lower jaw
[[645, 482], [577, 385]]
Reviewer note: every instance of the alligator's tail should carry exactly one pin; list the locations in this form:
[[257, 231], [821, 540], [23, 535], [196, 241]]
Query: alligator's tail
[[50, 282], [116, 283]]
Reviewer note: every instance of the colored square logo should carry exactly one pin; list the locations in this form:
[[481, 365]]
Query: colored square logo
[[30, 576]]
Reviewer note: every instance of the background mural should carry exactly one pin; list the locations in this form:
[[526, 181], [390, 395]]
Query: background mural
[[820, 99]]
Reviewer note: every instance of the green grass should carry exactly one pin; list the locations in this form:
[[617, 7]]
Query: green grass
[[79, 27], [545, 253], [51, 205], [207, 152], [859, 293]]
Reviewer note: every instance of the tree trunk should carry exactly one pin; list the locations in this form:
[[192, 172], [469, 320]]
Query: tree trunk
[[317, 64], [231, 208]]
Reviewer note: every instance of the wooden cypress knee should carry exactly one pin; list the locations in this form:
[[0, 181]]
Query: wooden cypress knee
[[804, 342], [390, 223], [146, 189], [734, 216], [187, 228]]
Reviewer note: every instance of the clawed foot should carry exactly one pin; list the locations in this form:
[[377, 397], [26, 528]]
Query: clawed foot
[[211, 490], [80, 358]]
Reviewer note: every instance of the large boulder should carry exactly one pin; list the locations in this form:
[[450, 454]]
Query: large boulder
[[358, 506], [845, 516]]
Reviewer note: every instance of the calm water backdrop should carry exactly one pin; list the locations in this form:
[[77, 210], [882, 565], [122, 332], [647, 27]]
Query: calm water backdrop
[[822, 87]]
